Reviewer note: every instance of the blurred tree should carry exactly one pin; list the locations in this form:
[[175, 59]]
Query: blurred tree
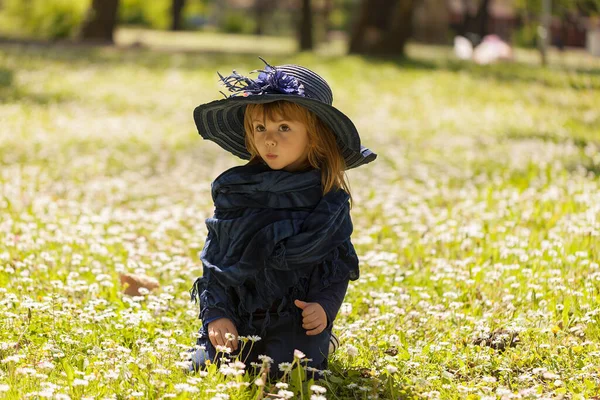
[[48, 19], [589, 7], [476, 24], [327, 17], [176, 13], [262, 10], [342, 14], [383, 27], [543, 10], [100, 21], [560, 7], [544, 30], [306, 36]]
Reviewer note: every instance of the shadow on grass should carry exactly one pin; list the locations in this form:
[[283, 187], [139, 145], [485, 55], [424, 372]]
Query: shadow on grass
[[588, 167], [11, 92], [594, 169], [513, 72], [384, 386], [79, 54], [403, 62], [585, 164], [555, 77], [20, 95], [6, 77], [578, 141]]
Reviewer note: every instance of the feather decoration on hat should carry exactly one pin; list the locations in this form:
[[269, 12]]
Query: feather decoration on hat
[[270, 80]]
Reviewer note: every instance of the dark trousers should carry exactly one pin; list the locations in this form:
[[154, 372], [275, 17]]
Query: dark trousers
[[283, 335]]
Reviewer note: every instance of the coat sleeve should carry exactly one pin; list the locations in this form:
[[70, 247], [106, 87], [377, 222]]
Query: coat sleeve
[[212, 315], [329, 280], [330, 299], [215, 300]]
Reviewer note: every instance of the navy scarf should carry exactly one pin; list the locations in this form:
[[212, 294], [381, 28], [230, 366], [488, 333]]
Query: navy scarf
[[269, 230]]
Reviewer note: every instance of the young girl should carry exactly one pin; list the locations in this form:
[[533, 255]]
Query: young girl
[[278, 257]]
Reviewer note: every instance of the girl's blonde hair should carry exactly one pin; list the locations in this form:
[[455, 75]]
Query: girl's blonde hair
[[323, 152]]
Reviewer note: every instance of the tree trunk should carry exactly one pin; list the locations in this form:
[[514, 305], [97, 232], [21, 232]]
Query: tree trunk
[[100, 21], [482, 18], [260, 14], [478, 23], [176, 13], [306, 37], [326, 16], [544, 31], [383, 27]]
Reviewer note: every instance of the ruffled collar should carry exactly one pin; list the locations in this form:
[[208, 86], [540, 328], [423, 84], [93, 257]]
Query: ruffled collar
[[242, 186]]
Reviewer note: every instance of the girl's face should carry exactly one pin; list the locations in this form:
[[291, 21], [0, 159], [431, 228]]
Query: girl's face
[[282, 144]]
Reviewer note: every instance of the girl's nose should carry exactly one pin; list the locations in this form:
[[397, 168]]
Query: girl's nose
[[269, 140]]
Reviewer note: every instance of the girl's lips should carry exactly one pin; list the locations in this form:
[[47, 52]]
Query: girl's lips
[[271, 156]]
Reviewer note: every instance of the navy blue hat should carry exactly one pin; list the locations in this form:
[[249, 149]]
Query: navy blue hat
[[222, 121]]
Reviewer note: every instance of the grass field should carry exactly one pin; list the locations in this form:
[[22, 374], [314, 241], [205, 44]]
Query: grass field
[[478, 227]]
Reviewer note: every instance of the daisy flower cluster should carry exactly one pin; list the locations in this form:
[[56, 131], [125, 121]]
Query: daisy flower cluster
[[477, 229]]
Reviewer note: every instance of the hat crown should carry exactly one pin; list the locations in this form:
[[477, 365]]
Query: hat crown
[[315, 87]]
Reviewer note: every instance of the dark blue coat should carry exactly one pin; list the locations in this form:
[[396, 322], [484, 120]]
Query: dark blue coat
[[274, 238]]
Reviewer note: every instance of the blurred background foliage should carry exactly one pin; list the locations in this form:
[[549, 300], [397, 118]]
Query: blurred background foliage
[[152, 14], [433, 21], [52, 19], [57, 19]]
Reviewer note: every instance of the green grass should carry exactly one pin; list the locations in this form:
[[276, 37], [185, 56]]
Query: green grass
[[480, 214]]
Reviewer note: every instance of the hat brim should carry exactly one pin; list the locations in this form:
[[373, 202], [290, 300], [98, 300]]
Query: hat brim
[[222, 121]]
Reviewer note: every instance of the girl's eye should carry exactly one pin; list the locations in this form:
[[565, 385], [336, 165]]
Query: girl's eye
[[284, 128], [259, 128]]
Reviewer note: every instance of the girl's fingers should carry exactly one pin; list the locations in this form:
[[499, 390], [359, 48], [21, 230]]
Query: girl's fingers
[[220, 332], [225, 341], [308, 311], [312, 318], [215, 338], [316, 331], [212, 337], [220, 338], [234, 341], [313, 324]]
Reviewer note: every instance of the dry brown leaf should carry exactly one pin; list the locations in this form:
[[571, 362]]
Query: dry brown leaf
[[133, 282]]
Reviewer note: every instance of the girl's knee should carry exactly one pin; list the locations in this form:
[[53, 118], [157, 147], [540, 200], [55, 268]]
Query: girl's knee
[[315, 352], [198, 357], [202, 352]]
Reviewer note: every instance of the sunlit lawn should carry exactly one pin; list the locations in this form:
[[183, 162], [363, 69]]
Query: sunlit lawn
[[478, 223]]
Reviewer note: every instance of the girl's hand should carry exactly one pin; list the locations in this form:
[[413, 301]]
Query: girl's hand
[[220, 333], [314, 319]]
